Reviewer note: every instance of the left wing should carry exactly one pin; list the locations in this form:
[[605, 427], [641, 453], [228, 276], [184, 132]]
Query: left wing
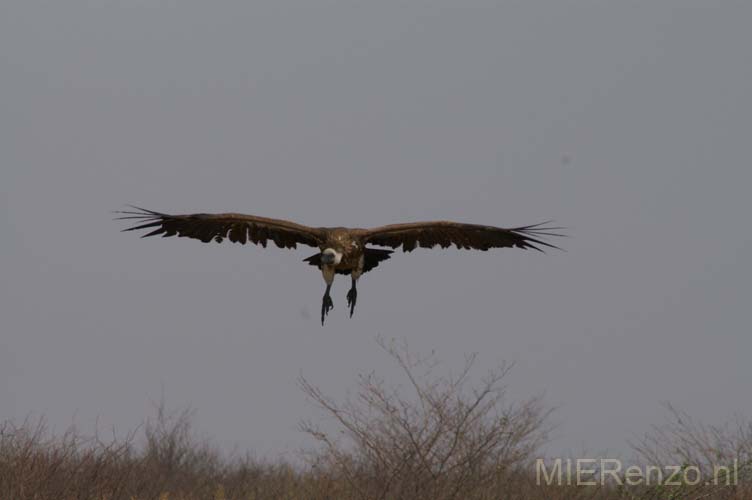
[[467, 236]]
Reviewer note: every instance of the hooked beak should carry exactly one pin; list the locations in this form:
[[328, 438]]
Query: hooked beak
[[327, 258]]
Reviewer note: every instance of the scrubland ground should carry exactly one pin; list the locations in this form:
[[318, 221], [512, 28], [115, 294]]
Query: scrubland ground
[[442, 438]]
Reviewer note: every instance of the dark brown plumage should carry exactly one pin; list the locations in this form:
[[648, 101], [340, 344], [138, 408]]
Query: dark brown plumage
[[342, 250], [467, 236], [238, 228]]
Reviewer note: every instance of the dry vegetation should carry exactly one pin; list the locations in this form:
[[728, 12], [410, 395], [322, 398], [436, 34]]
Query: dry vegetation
[[437, 437]]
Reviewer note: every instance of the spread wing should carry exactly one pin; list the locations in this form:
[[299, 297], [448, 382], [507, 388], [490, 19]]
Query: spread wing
[[467, 236], [235, 227]]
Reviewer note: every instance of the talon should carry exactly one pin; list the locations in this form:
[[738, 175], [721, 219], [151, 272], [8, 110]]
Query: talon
[[352, 297], [326, 306]]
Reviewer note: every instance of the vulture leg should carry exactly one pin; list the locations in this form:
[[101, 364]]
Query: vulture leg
[[352, 296], [326, 304]]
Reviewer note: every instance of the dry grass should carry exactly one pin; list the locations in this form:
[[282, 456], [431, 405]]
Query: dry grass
[[440, 438]]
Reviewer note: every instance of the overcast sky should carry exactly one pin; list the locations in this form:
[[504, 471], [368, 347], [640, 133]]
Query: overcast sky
[[630, 123]]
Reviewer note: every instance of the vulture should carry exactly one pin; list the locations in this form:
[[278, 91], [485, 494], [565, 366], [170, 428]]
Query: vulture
[[342, 250]]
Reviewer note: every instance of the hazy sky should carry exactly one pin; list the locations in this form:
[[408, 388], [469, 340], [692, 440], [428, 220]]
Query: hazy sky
[[628, 122]]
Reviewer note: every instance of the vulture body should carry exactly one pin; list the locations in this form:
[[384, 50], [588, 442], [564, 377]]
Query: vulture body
[[341, 250]]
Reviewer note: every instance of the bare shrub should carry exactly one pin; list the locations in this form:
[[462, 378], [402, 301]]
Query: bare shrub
[[722, 454], [35, 464], [437, 437], [170, 464], [444, 440]]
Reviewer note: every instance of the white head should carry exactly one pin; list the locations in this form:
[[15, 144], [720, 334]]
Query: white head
[[331, 257]]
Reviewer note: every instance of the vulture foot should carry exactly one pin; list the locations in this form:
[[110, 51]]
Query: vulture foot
[[326, 306], [352, 297]]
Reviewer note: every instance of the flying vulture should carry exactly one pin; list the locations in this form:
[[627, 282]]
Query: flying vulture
[[342, 250]]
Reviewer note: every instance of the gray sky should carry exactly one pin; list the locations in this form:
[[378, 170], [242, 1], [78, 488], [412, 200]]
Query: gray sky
[[628, 122]]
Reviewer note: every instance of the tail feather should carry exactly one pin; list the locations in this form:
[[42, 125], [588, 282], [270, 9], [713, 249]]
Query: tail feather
[[371, 259]]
